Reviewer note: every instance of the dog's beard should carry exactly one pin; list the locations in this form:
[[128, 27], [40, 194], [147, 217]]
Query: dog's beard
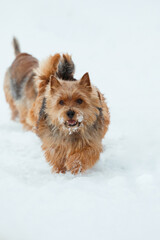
[[71, 126], [83, 125]]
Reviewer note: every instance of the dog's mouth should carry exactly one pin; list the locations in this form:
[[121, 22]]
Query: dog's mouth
[[72, 123]]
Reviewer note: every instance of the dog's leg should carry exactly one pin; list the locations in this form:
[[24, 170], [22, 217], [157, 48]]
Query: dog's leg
[[13, 108], [23, 115], [82, 160], [56, 158]]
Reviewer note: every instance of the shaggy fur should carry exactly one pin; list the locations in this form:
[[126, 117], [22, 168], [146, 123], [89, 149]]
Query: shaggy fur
[[70, 116]]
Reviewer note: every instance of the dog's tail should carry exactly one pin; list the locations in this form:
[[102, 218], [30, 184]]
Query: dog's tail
[[16, 46], [66, 68]]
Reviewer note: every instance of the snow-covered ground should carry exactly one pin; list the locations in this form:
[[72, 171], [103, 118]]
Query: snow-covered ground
[[118, 43]]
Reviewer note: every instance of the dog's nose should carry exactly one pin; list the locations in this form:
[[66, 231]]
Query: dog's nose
[[70, 114]]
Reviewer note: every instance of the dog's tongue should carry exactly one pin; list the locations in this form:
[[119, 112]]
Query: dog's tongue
[[71, 122]]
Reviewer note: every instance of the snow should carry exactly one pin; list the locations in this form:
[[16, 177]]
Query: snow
[[72, 130], [118, 43], [80, 118], [61, 120]]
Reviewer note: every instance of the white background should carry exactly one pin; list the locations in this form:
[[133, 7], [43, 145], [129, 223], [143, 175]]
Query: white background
[[118, 43]]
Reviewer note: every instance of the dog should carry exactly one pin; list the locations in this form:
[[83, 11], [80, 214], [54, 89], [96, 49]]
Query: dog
[[70, 116]]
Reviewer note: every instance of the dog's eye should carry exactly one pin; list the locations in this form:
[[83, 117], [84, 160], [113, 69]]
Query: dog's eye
[[61, 102], [79, 101]]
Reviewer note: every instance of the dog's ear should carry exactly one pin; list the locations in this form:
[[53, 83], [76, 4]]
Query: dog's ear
[[54, 83], [85, 81]]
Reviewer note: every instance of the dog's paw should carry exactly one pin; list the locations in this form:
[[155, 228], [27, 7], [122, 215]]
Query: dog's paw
[[59, 169], [74, 166]]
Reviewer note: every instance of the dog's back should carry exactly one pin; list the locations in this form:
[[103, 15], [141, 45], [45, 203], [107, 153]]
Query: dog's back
[[21, 72], [19, 84]]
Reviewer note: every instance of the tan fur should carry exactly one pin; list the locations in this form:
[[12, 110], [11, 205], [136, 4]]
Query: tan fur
[[21, 73], [9, 98], [44, 109]]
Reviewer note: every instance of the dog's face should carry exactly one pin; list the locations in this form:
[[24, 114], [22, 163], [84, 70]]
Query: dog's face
[[72, 105]]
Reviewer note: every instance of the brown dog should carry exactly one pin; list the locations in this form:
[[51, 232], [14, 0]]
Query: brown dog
[[70, 116]]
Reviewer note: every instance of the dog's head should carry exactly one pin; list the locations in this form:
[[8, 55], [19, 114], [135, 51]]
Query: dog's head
[[71, 106]]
